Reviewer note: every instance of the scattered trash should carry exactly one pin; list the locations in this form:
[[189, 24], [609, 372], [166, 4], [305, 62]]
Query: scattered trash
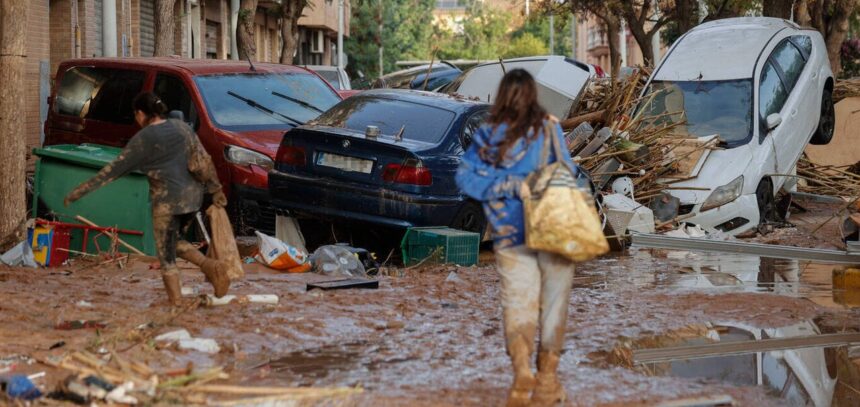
[[173, 336], [200, 344], [190, 291], [453, 278], [57, 345], [288, 231], [20, 255], [79, 324], [279, 255], [84, 304], [343, 284], [665, 207], [118, 394], [211, 301], [626, 215], [50, 243], [20, 387], [337, 261]]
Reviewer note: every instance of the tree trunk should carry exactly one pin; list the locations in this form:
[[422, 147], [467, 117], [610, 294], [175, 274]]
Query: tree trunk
[[636, 19], [777, 8], [13, 137], [245, 31], [831, 19], [613, 26], [164, 28], [801, 13], [687, 15], [291, 11]]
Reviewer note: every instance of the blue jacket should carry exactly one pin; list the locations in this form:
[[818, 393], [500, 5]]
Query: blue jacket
[[497, 187]]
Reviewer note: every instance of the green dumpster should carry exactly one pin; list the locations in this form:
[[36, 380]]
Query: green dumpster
[[123, 204]]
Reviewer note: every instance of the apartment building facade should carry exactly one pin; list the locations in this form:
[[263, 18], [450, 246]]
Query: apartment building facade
[[62, 29]]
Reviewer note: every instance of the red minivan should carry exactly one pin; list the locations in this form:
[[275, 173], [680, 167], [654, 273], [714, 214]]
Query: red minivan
[[240, 112]]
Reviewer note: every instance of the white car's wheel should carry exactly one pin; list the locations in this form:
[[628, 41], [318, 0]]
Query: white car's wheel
[[827, 122]]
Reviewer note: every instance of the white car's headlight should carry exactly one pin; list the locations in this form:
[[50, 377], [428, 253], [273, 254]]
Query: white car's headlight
[[243, 156], [724, 194]]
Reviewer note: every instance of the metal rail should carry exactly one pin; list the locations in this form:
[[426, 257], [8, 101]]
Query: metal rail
[[742, 347], [757, 249]]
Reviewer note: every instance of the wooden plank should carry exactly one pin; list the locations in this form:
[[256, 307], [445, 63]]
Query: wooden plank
[[742, 347]]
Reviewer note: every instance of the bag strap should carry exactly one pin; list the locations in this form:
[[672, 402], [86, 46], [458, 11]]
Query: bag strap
[[552, 132], [545, 148]]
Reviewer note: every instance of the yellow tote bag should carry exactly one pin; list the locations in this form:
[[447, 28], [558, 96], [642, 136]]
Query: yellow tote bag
[[560, 217]]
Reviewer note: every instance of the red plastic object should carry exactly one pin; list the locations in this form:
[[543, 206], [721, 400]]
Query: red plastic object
[[79, 324]]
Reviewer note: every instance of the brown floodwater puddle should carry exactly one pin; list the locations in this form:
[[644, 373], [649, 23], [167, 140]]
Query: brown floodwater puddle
[[719, 272]]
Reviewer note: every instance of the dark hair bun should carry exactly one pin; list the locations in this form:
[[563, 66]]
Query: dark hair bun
[[150, 104]]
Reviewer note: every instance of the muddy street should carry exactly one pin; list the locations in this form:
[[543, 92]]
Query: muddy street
[[431, 335]]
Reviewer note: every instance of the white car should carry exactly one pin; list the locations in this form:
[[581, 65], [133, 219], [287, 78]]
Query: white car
[[763, 87]]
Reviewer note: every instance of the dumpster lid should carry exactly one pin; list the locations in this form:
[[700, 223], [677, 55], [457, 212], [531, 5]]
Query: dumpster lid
[[88, 154]]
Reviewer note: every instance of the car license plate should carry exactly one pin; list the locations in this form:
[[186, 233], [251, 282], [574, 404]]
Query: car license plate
[[345, 163]]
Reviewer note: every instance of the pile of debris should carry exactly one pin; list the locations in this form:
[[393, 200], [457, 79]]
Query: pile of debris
[[846, 88], [652, 151], [831, 180]]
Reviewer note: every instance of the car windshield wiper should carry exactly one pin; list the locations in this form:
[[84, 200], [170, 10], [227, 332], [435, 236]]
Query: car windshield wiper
[[265, 109], [299, 101]]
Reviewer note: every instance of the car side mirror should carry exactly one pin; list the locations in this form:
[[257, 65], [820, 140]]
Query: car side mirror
[[773, 121]]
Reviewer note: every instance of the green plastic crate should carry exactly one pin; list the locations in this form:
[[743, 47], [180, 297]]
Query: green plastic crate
[[444, 244]]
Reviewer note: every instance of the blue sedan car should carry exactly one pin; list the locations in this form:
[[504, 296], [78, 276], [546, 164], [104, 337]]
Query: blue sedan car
[[385, 157]]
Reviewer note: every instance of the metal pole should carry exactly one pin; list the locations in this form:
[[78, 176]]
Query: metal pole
[[234, 23], [381, 46], [573, 36], [551, 34], [340, 64], [622, 36], [109, 28], [655, 40], [527, 8]]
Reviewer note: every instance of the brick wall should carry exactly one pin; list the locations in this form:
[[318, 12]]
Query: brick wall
[[38, 40]]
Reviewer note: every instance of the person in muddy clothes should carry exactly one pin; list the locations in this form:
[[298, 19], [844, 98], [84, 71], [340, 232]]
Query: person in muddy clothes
[[179, 170], [535, 285]]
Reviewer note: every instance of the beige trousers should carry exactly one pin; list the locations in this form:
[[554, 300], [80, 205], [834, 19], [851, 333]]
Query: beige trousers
[[535, 288]]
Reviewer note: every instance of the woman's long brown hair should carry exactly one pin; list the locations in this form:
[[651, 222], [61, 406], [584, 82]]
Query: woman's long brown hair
[[517, 106]]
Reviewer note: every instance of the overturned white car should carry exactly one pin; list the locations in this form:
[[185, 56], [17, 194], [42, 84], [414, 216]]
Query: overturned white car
[[762, 86]]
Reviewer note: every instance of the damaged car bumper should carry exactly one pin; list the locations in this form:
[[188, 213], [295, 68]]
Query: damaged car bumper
[[736, 217], [306, 196]]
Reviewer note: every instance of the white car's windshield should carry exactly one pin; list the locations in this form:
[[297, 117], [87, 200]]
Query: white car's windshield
[[722, 108]]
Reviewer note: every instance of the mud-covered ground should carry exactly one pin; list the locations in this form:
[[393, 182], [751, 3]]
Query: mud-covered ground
[[429, 336]]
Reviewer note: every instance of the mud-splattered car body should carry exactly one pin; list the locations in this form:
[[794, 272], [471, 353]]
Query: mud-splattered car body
[[91, 103], [385, 157]]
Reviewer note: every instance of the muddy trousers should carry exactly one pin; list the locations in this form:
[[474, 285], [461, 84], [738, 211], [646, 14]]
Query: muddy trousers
[[535, 291], [169, 231]]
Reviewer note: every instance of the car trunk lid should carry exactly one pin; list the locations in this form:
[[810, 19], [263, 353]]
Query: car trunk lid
[[346, 155]]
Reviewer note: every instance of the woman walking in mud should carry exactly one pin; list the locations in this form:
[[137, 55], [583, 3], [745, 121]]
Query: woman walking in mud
[[178, 168], [535, 285]]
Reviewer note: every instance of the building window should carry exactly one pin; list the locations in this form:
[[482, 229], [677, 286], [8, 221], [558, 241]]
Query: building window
[[450, 4]]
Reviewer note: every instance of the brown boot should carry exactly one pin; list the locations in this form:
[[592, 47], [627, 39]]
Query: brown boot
[[173, 287], [549, 390], [214, 270], [524, 379]]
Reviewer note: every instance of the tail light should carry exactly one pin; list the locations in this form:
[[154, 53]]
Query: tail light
[[292, 155], [410, 172], [599, 71]]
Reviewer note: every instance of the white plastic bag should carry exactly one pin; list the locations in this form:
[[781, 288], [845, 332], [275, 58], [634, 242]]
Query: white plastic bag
[[279, 255]]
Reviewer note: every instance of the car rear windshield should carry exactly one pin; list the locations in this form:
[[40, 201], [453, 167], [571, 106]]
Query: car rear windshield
[[236, 101], [419, 122], [332, 77], [706, 108]]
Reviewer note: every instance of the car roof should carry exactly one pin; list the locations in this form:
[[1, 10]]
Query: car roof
[[434, 99], [721, 50], [326, 68], [190, 66]]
